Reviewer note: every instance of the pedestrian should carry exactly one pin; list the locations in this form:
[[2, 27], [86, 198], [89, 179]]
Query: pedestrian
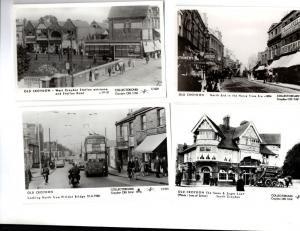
[[129, 62], [240, 184], [178, 178], [123, 67], [118, 163], [143, 168], [94, 59], [90, 75], [276, 77], [130, 168], [137, 168], [109, 70], [45, 173], [133, 63], [157, 166], [164, 165], [147, 58]]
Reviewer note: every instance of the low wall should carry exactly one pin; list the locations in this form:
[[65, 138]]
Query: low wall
[[61, 80]]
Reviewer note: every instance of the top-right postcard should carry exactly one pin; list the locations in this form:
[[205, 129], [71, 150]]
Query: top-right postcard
[[238, 49]]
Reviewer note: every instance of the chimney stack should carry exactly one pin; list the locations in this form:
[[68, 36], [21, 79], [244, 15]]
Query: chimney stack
[[226, 121]]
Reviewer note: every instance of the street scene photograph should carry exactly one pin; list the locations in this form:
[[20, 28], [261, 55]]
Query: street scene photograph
[[95, 148], [88, 45], [241, 150], [238, 49]]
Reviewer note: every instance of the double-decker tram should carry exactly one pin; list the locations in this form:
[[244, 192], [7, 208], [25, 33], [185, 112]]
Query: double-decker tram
[[95, 155]]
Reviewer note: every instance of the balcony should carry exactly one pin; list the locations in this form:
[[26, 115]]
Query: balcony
[[291, 27], [294, 46]]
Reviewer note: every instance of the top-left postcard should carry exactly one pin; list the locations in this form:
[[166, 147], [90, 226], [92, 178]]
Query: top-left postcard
[[89, 50]]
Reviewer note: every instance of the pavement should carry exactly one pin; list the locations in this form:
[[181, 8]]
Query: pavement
[[150, 178], [241, 85], [282, 85], [141, 75], [58, 178]]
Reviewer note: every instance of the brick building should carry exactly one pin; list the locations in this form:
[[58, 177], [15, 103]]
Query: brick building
[[133, 31], [33, 137], [223, 151], [142, 134]]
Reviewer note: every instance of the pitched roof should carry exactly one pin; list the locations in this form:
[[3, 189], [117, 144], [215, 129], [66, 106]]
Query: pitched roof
[[80, 23], [132, 115], [227, 141], [240, 129], [274, 139], [265, 150], [128, 11], [211, 122]]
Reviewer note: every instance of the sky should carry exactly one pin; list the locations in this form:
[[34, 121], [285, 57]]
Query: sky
[[81, 13], [244, 29], [71, 127], [266, 119]]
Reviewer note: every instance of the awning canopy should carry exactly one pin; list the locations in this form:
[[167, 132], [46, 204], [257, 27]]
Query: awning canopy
[[260, 68], [148, 46], [150, 143], [295, 60], [286, 61], [157, 45]]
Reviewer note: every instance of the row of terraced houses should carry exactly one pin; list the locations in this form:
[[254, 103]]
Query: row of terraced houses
[[127, 31]]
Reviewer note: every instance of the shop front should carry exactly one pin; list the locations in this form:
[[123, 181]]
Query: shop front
[[151, 147]]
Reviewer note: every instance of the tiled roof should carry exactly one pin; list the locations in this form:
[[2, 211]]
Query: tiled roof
[[132, 114], [274, 139], [128, 11], [228, 141], [80, 23], [265, 150], [240, 129]]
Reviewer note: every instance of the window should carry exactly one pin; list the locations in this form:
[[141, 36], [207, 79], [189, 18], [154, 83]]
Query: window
[[160, 114], [130, 128], [120, 130], [143, 122], [202, 149], [222, 175]]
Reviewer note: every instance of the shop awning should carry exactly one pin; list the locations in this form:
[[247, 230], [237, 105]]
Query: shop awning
[[157, 45], [148, 46], [294, 61], [260, 68], [274, 64], [150, 143]]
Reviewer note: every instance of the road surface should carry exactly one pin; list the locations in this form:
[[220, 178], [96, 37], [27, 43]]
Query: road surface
[[237, 84], [59, 179]]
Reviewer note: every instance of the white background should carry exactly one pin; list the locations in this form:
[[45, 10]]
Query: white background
[[160, 210]]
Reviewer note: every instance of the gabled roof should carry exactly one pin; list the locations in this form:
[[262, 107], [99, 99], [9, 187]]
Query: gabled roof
[[211, 122], [128, 11], [271, 139], [239, 131]]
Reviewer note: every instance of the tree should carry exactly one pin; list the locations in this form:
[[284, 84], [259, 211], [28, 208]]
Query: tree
[[23, 60], [291, 166]]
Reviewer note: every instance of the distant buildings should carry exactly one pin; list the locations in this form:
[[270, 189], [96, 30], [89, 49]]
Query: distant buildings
[[50, 35], [142, 134], [222, 151]]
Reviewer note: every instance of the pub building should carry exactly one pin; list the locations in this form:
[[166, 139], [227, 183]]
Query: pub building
[[222, 152]]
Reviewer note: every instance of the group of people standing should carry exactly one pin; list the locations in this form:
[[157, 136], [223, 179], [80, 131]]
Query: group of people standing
[[136, 167]]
